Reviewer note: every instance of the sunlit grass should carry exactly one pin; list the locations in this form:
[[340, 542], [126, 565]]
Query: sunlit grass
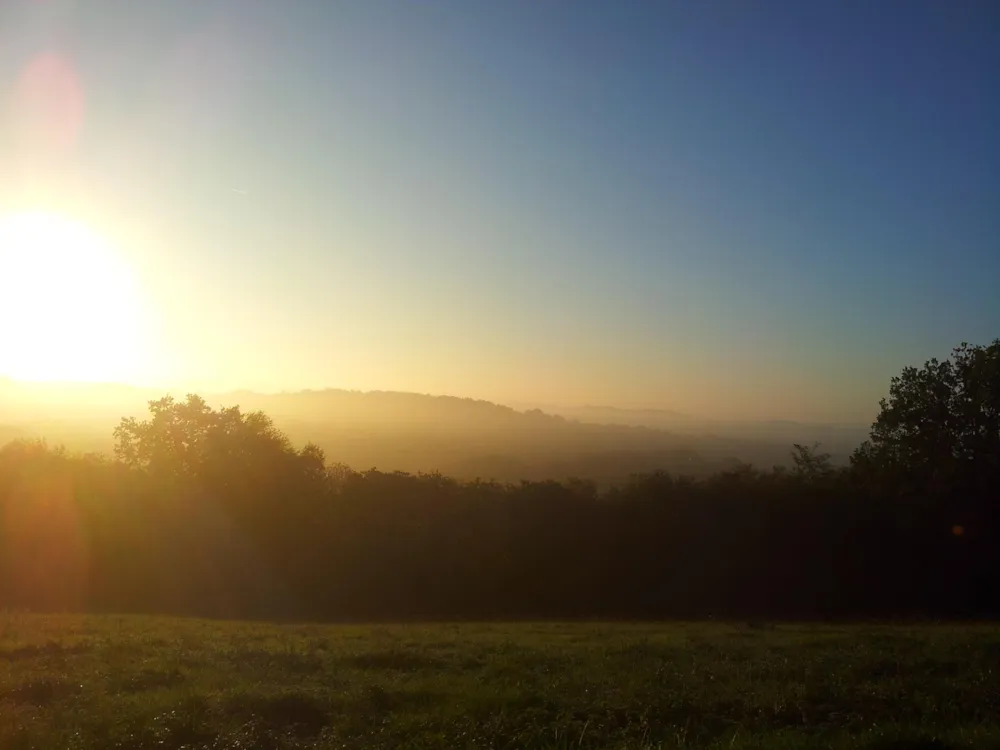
[[130, 682]]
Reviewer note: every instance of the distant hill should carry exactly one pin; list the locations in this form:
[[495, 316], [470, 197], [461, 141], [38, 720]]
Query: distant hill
[[839, 439], [466, 438]]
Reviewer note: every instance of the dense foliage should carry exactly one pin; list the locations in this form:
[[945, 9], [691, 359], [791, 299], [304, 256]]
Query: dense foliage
[[216, 513]]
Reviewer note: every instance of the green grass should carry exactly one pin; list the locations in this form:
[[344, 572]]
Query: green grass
[[132, 682]]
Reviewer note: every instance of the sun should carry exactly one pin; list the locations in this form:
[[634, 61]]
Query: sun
[[69, 304]]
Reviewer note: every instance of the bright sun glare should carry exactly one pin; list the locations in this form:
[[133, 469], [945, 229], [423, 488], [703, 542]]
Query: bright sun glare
[[69, 305]]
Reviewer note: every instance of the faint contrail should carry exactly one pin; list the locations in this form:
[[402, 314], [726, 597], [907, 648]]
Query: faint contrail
[[240, 192]]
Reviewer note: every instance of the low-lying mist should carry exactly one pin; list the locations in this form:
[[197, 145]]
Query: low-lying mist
[[464, 438]]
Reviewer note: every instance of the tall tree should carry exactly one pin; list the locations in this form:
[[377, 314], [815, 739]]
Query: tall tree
[[942, 418], [934, 452]]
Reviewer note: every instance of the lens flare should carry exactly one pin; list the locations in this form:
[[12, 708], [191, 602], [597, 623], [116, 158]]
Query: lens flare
[[48, 107]]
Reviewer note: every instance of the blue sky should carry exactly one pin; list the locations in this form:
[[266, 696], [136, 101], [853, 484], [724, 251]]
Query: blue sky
[[733, 209]]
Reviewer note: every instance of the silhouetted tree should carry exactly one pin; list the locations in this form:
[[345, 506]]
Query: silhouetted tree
[[809, 463], [942, 419], [934, 460]]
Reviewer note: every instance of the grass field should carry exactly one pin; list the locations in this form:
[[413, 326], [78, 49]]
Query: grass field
[[132, 682]]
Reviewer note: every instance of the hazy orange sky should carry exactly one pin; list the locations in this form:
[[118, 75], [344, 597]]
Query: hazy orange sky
[[759, 214]]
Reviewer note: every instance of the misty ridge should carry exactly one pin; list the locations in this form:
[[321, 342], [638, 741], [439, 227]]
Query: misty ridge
[[460, 437], [218, 511]]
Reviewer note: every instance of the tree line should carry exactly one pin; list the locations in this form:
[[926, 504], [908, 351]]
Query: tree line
[[214, 512]]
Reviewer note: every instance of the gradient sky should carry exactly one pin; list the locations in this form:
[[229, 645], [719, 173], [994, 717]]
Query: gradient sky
[[727, 208]]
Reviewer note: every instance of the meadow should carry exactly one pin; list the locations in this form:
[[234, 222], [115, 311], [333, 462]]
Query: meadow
[[140, 682]]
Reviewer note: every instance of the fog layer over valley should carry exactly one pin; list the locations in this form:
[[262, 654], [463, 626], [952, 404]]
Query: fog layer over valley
[[464, 438]]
